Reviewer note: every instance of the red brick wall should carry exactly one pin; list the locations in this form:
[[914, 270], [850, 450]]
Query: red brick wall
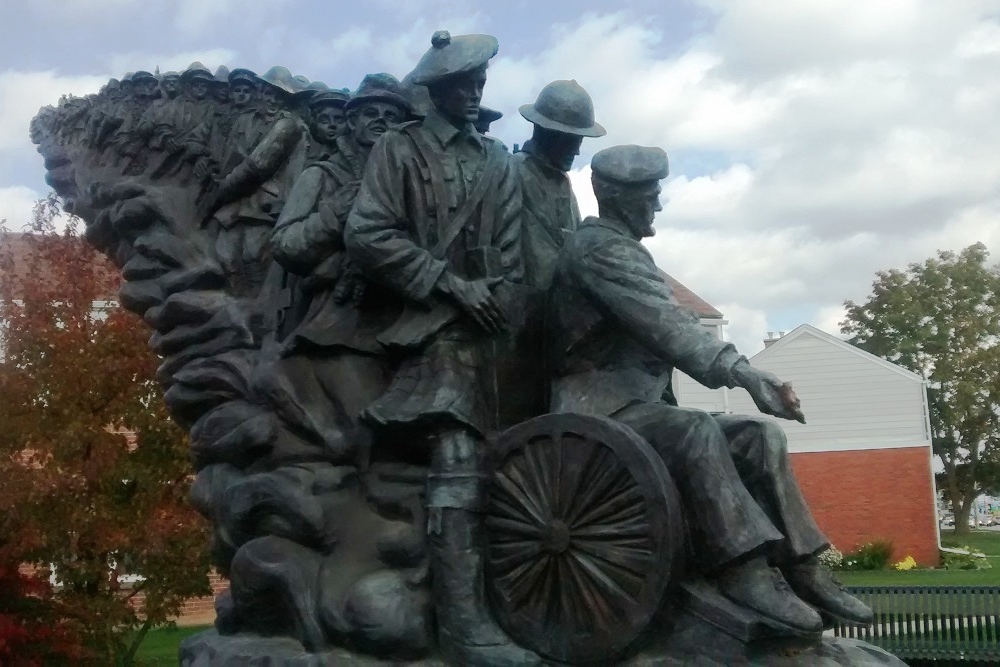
[[201, 611], [865, 495]]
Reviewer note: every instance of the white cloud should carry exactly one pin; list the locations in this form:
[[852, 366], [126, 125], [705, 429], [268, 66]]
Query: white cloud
[[24, 93], [828, 142], [119, 63], [16, 206], [828, 319]]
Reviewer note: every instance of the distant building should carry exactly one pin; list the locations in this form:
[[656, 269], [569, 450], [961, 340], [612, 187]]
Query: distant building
[[864, 457]]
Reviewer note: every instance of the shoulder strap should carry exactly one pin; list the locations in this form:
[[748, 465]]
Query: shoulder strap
[[494, 162]]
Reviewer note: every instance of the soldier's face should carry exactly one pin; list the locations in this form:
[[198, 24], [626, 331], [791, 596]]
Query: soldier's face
[[171, 86], [221, 92], [329, 122], [269, 97], [560, 148], [459, 98], [241, 94], [640, 204], [198, 89], [146, 88], [372, 119]]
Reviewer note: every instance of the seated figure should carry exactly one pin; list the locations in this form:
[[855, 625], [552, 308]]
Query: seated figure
[[617, 334]]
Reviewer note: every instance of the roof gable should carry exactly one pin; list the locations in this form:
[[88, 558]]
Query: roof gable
[[808, 329], [689, 299]]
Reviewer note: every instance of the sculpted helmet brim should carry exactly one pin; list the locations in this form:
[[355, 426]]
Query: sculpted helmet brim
[[532, 115]]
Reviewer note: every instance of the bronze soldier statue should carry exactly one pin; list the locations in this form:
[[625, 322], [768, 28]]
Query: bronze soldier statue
[[562, 115], [251, 195], [330, 317], [617, 335], [327, 121], [437, 221]]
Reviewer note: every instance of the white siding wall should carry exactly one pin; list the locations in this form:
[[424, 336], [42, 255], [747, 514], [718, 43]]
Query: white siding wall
[[850, 400], [691, 394]]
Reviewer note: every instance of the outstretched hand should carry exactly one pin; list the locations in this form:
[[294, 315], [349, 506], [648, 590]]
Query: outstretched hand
[[771, 395]]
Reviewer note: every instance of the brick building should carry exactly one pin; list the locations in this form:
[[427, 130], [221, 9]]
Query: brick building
[[863, 459]]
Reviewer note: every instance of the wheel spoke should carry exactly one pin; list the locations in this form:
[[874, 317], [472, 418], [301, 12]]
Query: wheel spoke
[[507, 562], [616, 596], [523, 580], [633, 528], [593, 493], [508, 527], [591, 597], [536, 470], [616, 508], [632, 562], [517, 494]]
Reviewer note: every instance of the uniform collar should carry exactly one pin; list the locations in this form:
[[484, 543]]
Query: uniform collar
[[616, 226], [446, 133], [539, 158]]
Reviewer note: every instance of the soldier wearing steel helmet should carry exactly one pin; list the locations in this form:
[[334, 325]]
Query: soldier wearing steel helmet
[[562, 116], [437, 222], [617, 333], [248, 199], [333, 316]]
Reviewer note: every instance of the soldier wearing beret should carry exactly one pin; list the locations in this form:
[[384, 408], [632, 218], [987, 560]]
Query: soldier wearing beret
[[617, 335], [437, 222]]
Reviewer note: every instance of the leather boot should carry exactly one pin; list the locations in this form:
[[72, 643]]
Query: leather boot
[[760, 588], [813, 582], [467, 631]]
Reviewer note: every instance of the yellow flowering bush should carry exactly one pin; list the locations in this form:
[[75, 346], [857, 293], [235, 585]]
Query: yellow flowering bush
[[906, 564]]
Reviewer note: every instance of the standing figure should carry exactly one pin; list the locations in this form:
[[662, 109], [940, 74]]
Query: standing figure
[[178, 128], [562, 115], [250, 197], [327, 121], [437, 221], [129, 139], [336, 365], [617, 335]]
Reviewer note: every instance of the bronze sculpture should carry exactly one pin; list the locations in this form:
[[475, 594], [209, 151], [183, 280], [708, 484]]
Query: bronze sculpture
[[338, 323]]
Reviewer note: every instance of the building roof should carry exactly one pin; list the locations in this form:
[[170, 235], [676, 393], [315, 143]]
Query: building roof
[[808, 329], [19, 247], [690, 300]]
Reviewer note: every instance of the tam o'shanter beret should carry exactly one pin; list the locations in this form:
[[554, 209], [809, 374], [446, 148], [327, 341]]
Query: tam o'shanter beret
[[453, 55], [631, 164]]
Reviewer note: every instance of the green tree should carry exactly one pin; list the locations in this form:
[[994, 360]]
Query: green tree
[[95, 474], [941, 319]]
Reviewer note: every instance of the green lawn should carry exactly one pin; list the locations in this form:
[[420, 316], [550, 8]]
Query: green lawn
[[159, 647], [988, 542]]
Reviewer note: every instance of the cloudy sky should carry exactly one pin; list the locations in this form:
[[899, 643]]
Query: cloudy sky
[[812, 142]]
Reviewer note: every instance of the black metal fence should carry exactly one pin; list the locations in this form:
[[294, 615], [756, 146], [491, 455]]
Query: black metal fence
[[932, 623]]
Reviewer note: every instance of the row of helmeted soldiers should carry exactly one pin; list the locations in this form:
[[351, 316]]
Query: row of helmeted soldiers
[[243, 137]]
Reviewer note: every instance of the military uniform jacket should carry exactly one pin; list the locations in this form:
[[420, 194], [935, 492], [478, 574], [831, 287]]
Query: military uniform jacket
[[309, 239], [617, 330], [550, 214], [435, 199]]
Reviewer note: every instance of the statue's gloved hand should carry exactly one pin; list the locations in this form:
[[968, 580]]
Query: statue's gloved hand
[[771, 395], [476, 299], [325, 275], [350, 286]]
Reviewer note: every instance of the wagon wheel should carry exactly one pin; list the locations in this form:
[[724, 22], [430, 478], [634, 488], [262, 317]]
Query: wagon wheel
[[583, 533]]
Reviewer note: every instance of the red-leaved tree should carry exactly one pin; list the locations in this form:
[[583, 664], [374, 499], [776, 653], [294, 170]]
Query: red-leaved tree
[[93, 473]]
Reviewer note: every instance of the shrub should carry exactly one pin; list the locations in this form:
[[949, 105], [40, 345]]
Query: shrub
[[907, 563], [964, 559], [870, 556], [833, 558]]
